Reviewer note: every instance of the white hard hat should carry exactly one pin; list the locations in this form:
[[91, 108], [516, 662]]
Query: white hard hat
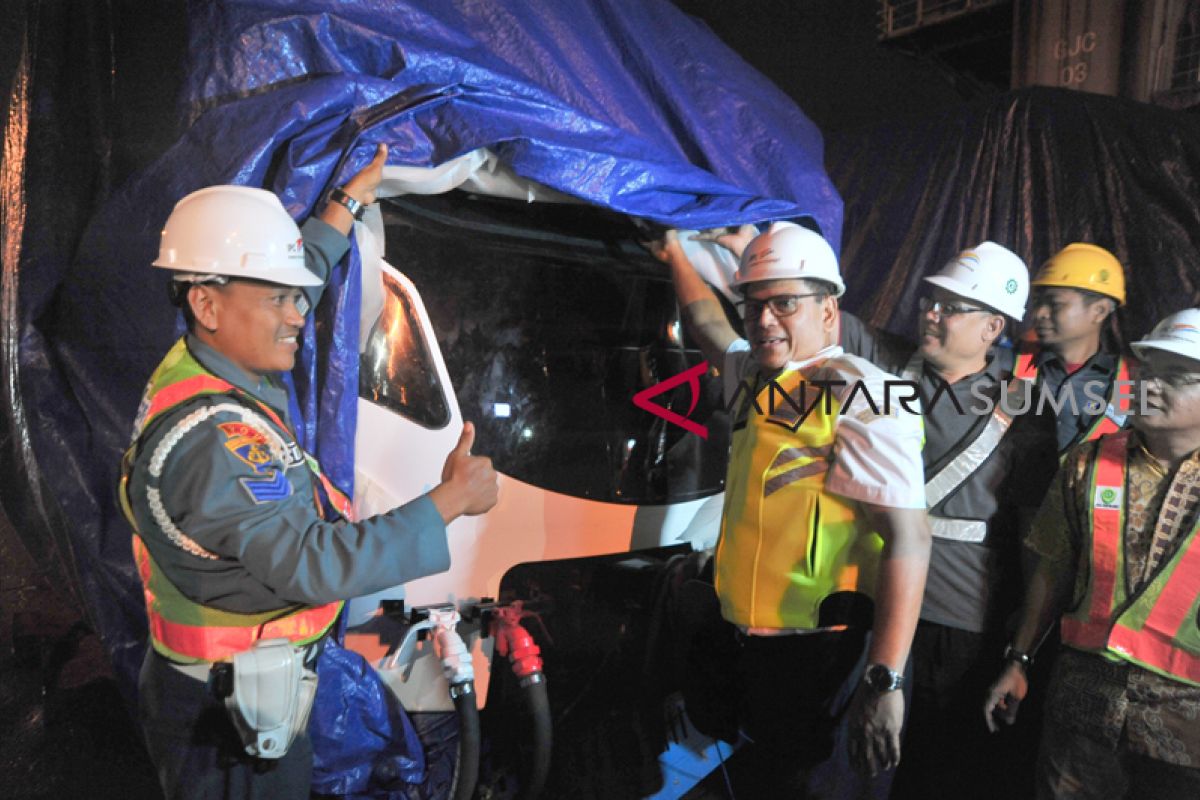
[[787, 251], [234, 231], [1178, 333], [989, 274]]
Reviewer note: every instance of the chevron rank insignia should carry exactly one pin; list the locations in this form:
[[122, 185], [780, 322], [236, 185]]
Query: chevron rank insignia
[[274, 486]]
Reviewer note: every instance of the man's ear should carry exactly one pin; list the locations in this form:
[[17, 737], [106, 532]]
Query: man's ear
[[829, 313], [1101, 309], [204, 302], [993, 329]]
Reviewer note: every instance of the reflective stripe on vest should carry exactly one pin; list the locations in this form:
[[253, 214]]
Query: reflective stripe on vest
[[182, 629], [1113, 418], [184, 642], [786, 544], [1158, 627], [1025, 369], [961, 467]]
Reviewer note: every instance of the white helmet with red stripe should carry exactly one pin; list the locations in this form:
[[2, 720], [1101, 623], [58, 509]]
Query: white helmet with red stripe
[[1178, 333], [233, 232], [786, 250]]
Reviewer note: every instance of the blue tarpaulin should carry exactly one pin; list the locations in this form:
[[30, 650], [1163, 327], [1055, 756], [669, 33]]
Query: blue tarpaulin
[[627, 104]]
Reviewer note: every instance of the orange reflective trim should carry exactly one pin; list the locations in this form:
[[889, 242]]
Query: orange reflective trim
[[1104, 426], [1106, 539], [1122, 379], [1025, 369], [337, 497], [1174, 604], [1155, 649], [214, 643], [1106, 527], [185, 389]]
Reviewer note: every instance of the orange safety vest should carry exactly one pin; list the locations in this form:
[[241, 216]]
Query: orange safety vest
[[1157, 628], [1104, 424], [181, 629]]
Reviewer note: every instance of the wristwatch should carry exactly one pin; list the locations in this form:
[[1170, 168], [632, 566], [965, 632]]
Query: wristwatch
[[882, 678], [355, 208], [1013, 654]]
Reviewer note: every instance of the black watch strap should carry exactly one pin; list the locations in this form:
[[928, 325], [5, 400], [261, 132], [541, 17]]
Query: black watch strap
[[1013, 654], [356, 208]]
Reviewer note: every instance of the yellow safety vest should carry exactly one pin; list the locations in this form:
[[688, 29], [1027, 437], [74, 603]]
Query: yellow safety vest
[[786, 544]]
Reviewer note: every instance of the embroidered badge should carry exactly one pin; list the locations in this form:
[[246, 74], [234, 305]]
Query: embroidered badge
[[274, 486], [294, 455], [1108, 497], [248, 444]]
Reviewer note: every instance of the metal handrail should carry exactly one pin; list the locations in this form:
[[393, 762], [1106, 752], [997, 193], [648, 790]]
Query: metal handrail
[[902, 16]]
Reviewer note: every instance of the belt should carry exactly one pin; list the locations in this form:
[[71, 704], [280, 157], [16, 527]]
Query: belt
[[201, 670]]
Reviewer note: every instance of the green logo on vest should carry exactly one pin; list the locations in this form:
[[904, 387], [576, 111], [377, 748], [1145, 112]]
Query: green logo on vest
[[1107, 497]]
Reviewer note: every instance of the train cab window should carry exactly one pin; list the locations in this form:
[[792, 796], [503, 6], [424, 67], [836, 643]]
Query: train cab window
[[550, 318], [396, 369]]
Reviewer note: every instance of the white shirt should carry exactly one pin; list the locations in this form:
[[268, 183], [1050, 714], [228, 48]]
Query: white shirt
[[876, 456]]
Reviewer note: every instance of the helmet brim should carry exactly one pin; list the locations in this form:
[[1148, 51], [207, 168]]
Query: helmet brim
[[967, 293], [1179, 348], [1052, 284], [294, 276]]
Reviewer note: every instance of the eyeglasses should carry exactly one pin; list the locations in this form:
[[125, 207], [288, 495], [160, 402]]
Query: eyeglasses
[[781, 305], [948, 309]]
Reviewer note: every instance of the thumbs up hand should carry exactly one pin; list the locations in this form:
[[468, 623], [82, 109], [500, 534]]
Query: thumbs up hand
[[469, 485]]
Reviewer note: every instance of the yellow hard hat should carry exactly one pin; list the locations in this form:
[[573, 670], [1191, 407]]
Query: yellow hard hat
[[1084, 266]]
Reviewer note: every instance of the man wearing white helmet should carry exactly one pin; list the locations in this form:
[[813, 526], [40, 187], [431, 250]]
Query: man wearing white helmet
[[824, 544], [244, 548], [987, 468], [1117, 544], [985, 475]]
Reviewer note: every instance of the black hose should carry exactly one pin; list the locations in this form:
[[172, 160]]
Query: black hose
[[543, 737], [466, 768]]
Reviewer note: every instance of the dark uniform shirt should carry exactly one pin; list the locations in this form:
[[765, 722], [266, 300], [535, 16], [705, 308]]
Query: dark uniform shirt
[[972, 586], [236, 547], [1077, 392]]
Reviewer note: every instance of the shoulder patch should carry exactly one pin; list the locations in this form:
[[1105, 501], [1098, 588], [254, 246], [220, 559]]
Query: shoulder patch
[[273, 486], [248, 444]]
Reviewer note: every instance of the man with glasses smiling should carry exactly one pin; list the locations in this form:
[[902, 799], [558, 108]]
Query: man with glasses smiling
[[824, 542], [985, 476], [1117, 544]]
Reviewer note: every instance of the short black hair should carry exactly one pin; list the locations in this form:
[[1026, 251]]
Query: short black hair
[[1090, 297], [177, 292]]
